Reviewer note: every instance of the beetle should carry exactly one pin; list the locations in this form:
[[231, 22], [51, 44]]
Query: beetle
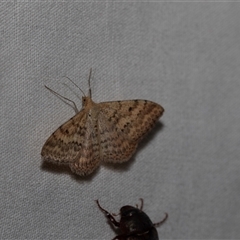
[[134, 224]]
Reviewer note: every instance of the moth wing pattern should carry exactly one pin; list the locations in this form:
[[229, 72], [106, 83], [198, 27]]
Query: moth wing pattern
[[115, 145], [64, 144], [134, 118], [88, 158], [72, 144], [108, 131]]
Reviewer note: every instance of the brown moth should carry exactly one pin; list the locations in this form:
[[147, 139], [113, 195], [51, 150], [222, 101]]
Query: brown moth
[[101, 132]]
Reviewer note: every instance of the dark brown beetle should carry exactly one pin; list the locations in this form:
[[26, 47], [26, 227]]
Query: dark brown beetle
[[134, 223]]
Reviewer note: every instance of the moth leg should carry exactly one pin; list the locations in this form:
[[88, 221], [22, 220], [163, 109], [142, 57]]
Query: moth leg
[[108, 215], [161, 222]]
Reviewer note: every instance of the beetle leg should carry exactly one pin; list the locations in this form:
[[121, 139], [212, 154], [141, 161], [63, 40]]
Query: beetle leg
[[108, 215], [161, 222], [141, 207]]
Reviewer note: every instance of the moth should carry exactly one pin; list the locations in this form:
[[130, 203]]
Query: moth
[[134, 224], [100, 132]]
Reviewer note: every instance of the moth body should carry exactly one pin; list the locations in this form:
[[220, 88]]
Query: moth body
[[101, 132]]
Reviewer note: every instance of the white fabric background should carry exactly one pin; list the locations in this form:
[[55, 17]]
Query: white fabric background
[[185, 56]]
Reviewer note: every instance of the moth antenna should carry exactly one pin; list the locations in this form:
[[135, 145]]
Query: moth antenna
[[89, 84], [67, 99], [75, 85]]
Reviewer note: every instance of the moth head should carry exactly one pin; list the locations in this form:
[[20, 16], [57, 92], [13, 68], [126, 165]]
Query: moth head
[[84, 101], [87, 102]]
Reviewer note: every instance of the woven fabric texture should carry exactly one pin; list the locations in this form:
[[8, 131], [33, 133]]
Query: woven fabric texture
[[184, 56]]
